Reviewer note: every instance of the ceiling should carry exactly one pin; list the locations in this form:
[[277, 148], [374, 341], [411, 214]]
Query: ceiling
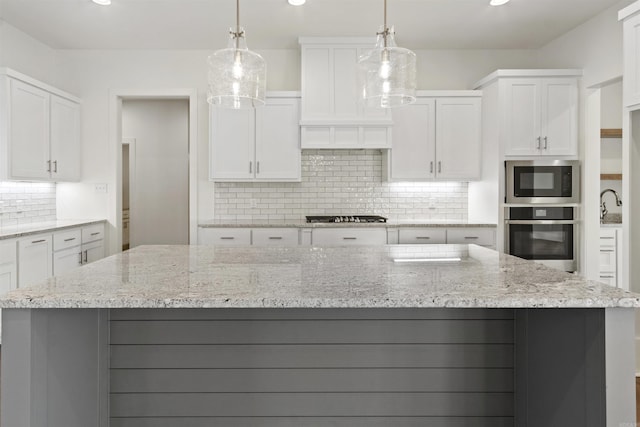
[[273, 24]]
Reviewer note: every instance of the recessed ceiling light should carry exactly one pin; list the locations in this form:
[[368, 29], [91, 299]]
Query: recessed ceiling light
[[102, 2], [498, 2], [297, 2]]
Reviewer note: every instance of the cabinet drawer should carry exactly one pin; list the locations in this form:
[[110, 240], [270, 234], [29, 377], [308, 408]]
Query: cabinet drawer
[[67, 239], [422, 235], [609, 279], [275, 236], [477, 236], [8, 252], [92, 233], [349, 236], [225, 236]]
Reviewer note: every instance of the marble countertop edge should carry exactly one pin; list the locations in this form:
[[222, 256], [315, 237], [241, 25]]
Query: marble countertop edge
[[44, 227]]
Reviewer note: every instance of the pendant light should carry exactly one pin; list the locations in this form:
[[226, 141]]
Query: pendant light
[[387, 73], [237, 76]]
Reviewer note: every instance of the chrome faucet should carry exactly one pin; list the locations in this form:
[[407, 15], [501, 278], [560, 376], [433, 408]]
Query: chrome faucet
[[603, 205]]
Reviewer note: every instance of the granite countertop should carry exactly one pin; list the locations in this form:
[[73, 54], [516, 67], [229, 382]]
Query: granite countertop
[[390, 224], [316, 277], [42, 227]]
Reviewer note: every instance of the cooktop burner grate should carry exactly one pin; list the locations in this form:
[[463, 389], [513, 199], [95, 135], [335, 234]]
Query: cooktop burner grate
[[345, 218]]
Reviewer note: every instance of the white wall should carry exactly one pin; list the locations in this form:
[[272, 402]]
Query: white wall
[[27, 55], [595, 46], [160, 194]]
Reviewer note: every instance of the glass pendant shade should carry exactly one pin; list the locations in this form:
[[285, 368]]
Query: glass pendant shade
[[237, 76], [387, 73]]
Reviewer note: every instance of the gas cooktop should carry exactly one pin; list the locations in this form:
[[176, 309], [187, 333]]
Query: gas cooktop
[[345, 218]]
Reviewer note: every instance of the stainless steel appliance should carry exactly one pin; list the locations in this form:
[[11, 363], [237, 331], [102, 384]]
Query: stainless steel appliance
[[547, 234], [345, 218], [542, 181]]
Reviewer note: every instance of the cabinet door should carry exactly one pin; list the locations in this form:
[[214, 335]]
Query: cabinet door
[[28, 131], [232, 144], [65, 139], [412, 155], [278, 140], [458, 138], [66, 260], [34, 259], [92, 251], [559, 117], [8, 268], [521, 118]]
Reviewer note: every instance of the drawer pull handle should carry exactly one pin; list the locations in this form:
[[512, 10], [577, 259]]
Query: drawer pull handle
[[70, 239], [227, 238], [423, 237], [471, 237], [39, 241], [275, 238], [607, 277], [607, 250], [607, 237], [95, 234], [349, 238]]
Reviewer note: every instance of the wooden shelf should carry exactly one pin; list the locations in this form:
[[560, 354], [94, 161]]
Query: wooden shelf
[[611, 176], [610, 133]]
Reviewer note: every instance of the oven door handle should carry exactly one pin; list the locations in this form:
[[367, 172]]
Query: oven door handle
[[540, 221]]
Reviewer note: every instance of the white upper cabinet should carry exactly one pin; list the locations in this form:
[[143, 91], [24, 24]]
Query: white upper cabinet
[[332, 115], [39, 132], [65, 139], [541, 116], [437, 137], [413, 155], [631, 53], [261, 144], [458, 138]]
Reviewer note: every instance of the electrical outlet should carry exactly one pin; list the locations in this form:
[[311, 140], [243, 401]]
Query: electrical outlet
[[101, 188]]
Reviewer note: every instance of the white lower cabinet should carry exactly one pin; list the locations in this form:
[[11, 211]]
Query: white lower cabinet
[[472, 235], [274, 237], [349, 236], [8, 266], [35, 262], [76, 247], [224, 236], [610, 261], [422, 236]]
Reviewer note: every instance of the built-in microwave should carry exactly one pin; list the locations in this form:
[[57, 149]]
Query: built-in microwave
[[542, 181]]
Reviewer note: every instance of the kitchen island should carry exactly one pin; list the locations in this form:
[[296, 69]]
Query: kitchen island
[[403, 335]]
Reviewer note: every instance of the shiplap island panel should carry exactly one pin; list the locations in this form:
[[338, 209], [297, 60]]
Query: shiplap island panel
[[402, 335]]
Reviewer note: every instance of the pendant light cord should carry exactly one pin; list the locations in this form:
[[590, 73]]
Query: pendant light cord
[[385, 30], [237, 33]]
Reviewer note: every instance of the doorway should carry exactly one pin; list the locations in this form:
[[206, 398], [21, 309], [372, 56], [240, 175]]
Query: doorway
[[155, 172]]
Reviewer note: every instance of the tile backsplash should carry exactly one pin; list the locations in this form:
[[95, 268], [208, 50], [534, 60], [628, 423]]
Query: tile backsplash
[[26, 202], [340, 182]]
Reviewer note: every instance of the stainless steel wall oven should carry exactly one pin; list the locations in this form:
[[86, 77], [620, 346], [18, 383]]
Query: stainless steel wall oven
[[547, 234]]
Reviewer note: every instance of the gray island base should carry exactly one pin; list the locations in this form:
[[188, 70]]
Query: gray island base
[[398, 336]]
